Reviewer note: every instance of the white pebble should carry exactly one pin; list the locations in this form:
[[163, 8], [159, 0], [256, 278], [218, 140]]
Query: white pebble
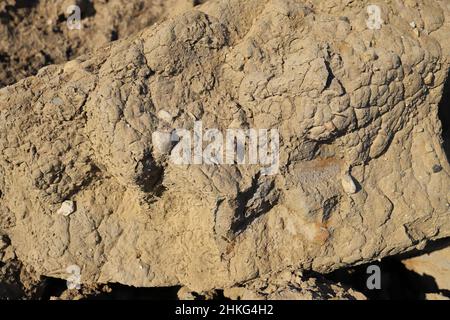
[[67, 208], [164, 115], [348, 183]]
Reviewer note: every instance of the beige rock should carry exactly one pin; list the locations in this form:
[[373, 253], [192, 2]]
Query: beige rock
[[67, 208], [185, 294], [348, 183], [292, 286], [143, 220], [8, 254], [435, 264], [435, 296]]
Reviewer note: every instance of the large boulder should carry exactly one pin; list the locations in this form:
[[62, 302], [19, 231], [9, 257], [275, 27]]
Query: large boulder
[[86, 172]]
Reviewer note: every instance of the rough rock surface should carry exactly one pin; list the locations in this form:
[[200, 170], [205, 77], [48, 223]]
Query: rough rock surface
[[285, 285], [356, 110], [34, 33]]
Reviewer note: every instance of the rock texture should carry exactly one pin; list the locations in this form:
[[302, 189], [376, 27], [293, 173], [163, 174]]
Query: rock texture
[[355, 108], [289, 285], [285, 285]]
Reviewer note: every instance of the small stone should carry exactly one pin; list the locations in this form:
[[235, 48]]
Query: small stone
[[421, 245], [437, 168], [164, 115], [67, 208], [435, 296], [348, 183], [429, 79], [185, 294]]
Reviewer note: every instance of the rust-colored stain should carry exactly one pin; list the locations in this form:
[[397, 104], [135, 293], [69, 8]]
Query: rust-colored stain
[[323, 163], [322, 234]]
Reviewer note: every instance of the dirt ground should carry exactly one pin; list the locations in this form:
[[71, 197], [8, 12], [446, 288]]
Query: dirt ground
[[35, 33]]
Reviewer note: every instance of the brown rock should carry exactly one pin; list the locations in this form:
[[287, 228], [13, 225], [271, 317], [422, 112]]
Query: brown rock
[[435, 264], [83, 131]]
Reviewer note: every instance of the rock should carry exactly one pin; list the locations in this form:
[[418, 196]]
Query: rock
[[435, 264], [185, 294], [429, 79], [67, 208], [348, 184], [293, 287], [435, 296], [8, 254], [301, 79], [164, 115]]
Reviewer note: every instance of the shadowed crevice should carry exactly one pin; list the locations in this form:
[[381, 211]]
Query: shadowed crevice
[[444, 116]]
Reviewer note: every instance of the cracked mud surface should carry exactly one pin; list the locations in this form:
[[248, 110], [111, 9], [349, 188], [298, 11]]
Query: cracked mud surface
[[362, 117]]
